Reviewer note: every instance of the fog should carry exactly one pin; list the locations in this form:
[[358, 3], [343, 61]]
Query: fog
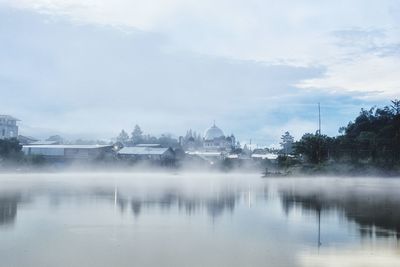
[[199, 133]]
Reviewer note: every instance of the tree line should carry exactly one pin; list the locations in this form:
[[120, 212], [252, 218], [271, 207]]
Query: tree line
[[372, 139], [138, 137]]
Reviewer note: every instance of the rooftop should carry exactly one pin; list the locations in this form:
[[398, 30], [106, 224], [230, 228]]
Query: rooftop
[[39, 142], [148, 145], [204, 153], [140, 150], [67, 146], [213, 132], [265, 156]]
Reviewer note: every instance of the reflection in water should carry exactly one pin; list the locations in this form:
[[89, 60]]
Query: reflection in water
[[215, 206], [377, 215], [114, 221], [167, 199], [8, 209]]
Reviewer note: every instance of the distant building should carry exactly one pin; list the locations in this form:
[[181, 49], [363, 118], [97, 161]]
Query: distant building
[[8, 127], [269, 156], [162, 154], [69, 152], [215, 140], [25, 140], [41, 142], [148, 145]]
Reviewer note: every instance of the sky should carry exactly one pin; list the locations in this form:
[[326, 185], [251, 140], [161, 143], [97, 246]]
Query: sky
[[89, 68]]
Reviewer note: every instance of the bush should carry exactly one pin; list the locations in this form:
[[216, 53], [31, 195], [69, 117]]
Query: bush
[[10, 150]]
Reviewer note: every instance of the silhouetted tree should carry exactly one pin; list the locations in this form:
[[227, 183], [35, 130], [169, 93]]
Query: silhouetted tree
[[287, 143], [313, 147], [395, 106], [137, 135], [123, 137]]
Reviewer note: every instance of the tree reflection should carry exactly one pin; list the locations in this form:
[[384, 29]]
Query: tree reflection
[[377, 215]]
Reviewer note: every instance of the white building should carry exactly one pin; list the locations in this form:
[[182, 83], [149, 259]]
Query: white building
[[65, 152], [215, 140], [144, 152], [8, 127]]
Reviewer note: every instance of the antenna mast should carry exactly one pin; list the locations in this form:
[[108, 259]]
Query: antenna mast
[[319, 133], [319, 118]]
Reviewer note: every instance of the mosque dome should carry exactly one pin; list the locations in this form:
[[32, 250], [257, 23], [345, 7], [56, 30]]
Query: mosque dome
[[213, 132]]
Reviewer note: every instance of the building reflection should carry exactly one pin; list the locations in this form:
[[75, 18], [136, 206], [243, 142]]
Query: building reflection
[[8, 209], [214, 205]]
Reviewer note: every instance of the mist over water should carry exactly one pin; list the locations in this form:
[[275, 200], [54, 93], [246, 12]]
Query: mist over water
[[197, 219]]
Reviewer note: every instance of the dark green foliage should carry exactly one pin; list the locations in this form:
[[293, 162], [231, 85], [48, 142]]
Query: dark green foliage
[[314, 148], [237, 150], [286, 161], [372, 140], [374, 137], [10, 149]]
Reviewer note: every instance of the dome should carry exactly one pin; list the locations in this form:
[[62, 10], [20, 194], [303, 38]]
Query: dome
[[213, 132]]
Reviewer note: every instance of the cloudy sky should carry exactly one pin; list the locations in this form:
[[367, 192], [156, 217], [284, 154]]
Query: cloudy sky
[[88, 68]]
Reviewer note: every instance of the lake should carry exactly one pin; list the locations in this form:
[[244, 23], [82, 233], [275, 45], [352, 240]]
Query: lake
[[197, 219]]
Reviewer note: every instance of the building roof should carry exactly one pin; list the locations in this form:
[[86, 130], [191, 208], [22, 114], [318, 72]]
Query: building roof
[[8, 117], [213, 132], [39, 142], [205, 153], [265, 156], [33, 139], [140, 150], [67, 146], [148, 145]]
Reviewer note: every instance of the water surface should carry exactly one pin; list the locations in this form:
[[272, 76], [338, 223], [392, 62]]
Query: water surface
[[201, 219]]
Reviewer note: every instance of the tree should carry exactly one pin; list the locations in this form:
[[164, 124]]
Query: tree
[[373, 138], [287, 143], [166, 140], [314, 147], [396, 106], [123, 137], [10, 149], [137, 135]]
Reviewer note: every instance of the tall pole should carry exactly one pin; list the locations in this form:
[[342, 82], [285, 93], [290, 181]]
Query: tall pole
[[319, 133], [319, 118]]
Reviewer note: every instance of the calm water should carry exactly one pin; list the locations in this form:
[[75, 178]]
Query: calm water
[[139, 219]]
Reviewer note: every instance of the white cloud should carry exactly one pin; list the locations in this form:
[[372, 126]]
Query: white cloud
[[371, 74], [185, 58], [301, 33], [93, 80], [255, 29]]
